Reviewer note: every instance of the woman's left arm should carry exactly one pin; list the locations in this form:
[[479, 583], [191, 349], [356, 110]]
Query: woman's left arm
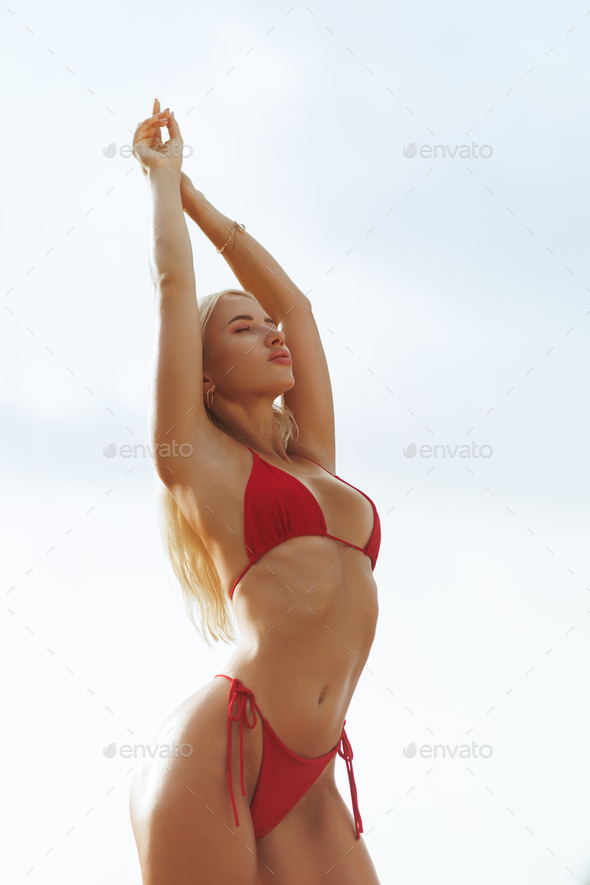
[[254, 267], [310, 399]]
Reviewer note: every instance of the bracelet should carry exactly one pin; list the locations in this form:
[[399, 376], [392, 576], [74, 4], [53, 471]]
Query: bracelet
[[235, 227]]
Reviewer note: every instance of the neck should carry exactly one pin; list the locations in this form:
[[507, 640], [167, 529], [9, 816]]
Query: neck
[[255, 427]]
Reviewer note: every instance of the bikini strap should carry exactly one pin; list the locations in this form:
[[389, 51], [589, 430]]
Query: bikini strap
[[345, 750], [238, 693]]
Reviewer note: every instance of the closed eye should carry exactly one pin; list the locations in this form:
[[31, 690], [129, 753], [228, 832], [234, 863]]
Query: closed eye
[[273, 328]]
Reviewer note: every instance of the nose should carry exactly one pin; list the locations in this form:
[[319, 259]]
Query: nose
[[274, 337]]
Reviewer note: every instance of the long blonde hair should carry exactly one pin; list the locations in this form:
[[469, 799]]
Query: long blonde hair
[[207, 602]]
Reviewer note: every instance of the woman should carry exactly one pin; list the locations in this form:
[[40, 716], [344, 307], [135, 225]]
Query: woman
[[255, 518]]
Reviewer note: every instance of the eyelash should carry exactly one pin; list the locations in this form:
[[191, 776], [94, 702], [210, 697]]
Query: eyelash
[[243, 328]]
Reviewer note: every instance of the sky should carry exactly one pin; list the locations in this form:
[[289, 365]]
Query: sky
[[452, 294]]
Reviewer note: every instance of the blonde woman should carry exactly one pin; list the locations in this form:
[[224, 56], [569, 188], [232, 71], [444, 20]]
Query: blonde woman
[[255, 521]]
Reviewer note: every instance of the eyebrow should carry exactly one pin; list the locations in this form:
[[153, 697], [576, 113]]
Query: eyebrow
[[245, 316]]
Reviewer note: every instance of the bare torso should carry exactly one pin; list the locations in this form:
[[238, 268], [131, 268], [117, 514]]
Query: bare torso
[[307, 613]]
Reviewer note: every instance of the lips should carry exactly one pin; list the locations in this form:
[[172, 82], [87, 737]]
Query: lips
[[281, 354]]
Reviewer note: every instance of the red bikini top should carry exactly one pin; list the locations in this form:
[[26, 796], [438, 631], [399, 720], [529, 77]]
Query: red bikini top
[[277, 506]]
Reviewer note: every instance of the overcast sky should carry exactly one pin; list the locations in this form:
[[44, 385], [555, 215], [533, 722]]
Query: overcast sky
[[453, 298]]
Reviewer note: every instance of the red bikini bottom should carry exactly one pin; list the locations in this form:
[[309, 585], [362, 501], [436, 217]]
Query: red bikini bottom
[[284, 775]]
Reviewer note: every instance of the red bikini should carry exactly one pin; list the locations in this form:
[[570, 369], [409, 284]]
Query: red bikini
[[277, 506], [284, 775]]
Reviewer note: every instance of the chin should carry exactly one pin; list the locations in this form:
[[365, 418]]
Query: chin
[[285, 387]]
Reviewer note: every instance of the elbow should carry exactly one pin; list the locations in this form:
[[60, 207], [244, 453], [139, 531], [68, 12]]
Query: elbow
[[173, 280], [303, 305]]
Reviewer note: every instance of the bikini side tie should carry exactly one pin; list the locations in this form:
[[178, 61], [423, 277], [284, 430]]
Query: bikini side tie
[[345, 751], [241, 695]]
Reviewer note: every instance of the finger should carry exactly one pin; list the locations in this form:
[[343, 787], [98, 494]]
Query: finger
[[150, 122], [173, 127], [147, 137], [142, 131], [176, 131], [157, 111]]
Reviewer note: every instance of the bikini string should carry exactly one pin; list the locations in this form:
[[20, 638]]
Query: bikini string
[[345, 750], [241, 695]]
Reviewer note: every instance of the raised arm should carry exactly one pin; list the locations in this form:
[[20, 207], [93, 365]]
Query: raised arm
[[310, 399], [177, 393]]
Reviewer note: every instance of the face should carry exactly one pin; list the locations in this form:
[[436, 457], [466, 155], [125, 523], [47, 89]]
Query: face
[[246, 352]]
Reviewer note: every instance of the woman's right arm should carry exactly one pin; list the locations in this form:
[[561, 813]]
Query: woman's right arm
[[178, 412], [177, 405]]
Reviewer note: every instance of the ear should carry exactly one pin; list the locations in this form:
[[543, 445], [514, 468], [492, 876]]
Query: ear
[[207, 384]]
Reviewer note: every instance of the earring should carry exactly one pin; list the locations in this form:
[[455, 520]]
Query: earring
[[210, 402]]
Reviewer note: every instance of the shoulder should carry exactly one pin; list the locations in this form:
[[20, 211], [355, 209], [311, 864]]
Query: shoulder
[[315, 455]]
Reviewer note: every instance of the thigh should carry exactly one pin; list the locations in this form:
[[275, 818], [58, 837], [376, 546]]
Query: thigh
[[316, 838], [180, 806]]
